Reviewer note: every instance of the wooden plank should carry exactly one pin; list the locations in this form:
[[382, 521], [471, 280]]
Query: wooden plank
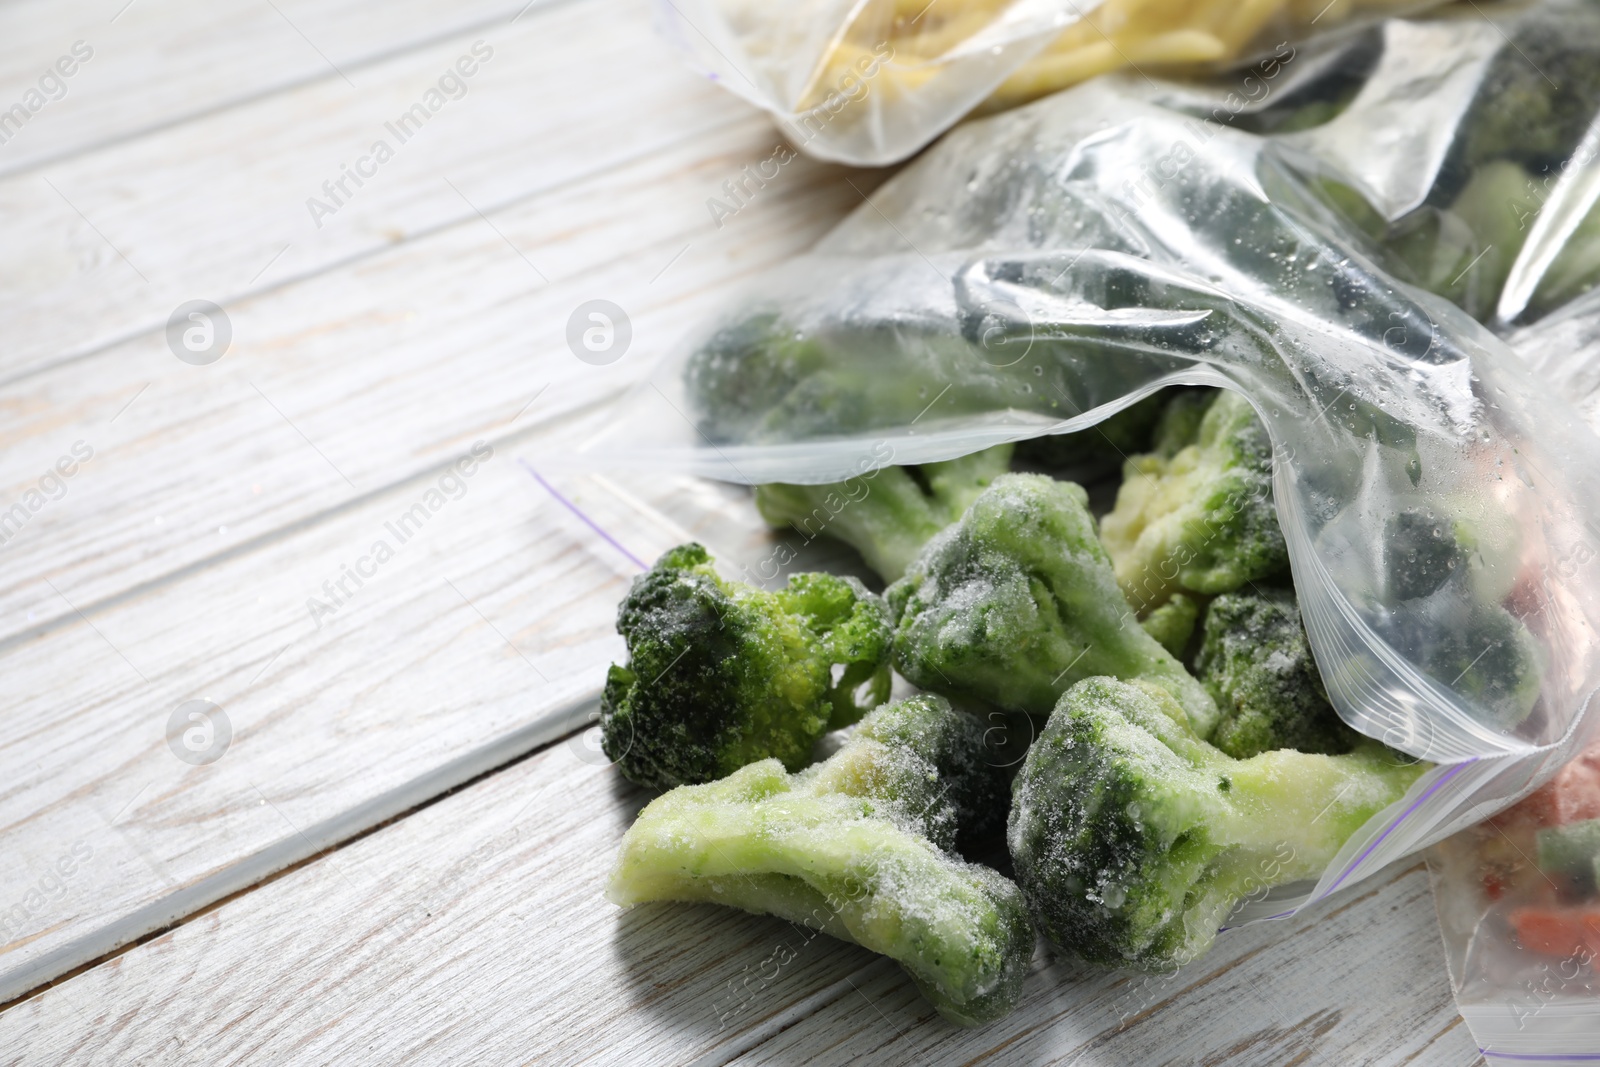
[[179, 562], [152, 631], [1360, 979], [357, 379], [474, 931], [105, 245], [482, 635], [154, 63]]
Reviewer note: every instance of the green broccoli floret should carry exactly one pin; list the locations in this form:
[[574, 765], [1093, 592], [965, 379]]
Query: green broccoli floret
[[1480, 651], [722, 674], [1172, 624], [1256, 663], [1464, 253], [1537, 99], [1133, 839], [1104, 445], [859, 846], [1197, 514], [1431, 544], [1420, 552], [1446, 567], [1017, 601], [889, 514]]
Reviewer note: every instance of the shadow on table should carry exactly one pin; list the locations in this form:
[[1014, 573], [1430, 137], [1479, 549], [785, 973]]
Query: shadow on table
[[722, 980]]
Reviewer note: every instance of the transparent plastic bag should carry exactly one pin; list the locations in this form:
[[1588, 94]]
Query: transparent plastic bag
[[1519, 906], [870, 82], [1471, 156], [1040, 270]]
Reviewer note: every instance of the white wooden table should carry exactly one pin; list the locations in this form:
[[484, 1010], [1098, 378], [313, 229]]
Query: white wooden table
[[398, 855]]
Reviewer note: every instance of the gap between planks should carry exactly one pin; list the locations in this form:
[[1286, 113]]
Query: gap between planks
[[275, 862], [307, 522], [468, 218], [267, 91]]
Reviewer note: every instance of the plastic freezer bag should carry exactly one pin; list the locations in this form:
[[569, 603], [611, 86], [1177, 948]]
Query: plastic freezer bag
[[872, 81], [1029, 276], [1468, 153], [1519, 905]]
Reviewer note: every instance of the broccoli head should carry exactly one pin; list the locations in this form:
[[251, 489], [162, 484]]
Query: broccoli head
[[1537, 99], [1480, 651], [1133, 839], [1103, 446], [721, 674], [1446, 567], [1256, 663], [1197, 513], [1017, 601], [889, 514], [860, 847]]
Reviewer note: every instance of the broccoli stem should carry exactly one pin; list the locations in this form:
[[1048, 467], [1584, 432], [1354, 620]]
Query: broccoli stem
[[1017, 601], [1172, 624], [798, 860], [855, 847], [889, 514], [1133, 839]]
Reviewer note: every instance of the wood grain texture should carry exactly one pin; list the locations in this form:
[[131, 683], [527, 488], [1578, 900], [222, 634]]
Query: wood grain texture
[[487, 633], [474, 932], [354, 380], [160, 219], [369, 353], [155, 63], [179, 561]]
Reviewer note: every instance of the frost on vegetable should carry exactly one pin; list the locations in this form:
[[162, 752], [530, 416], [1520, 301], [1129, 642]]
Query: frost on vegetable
[[861, 846], [1133, 839], [721, 674], [1196, 514], [1256, 662], [1017, 601], [889, 514]]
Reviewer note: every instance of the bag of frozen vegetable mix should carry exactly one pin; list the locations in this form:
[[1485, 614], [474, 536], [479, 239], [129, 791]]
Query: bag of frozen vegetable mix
[[872, 81], [1337, 600], [1519, 905]]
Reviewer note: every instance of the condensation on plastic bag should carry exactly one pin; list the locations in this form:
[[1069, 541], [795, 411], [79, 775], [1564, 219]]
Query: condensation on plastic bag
[[870, 82], [1039, 270], [1471, 156], [1519, 906]]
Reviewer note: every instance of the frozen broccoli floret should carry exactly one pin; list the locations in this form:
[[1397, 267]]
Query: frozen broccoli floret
[[1178, 425], [1420, 552], [1172, 624], [761, 378], [1537, 99], [722, 674], [1104, 445], [1481, 651], [1470, 544], [1197, 514], [1464, 253], [747, 368], [1017, 601], [859, 846], [889, 514], [1447, 566], [1256, 662], [1133, 839]]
